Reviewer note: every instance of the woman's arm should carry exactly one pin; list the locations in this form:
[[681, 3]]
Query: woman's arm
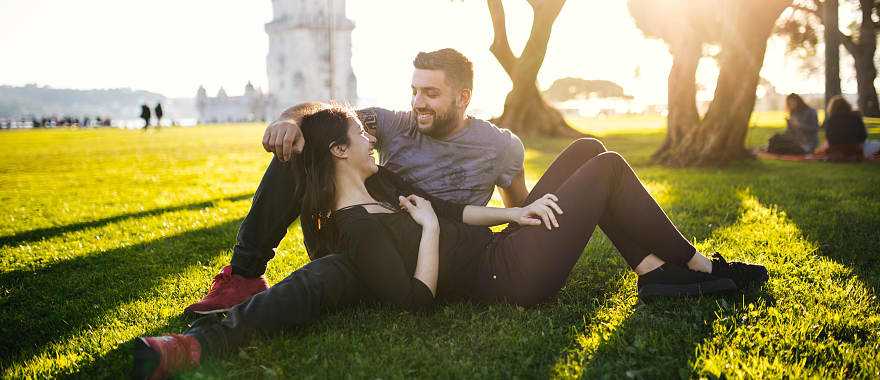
[[543, 210], [428, 263]]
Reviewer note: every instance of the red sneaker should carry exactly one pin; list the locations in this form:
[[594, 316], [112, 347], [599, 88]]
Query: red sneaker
[[162, 356], [227, 290]]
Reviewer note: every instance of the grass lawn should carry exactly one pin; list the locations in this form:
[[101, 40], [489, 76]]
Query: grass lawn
[[107, 235]]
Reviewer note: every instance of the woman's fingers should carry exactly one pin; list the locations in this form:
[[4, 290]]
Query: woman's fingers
[[552, 203], [405, 203], [543, 215], [552, 216]]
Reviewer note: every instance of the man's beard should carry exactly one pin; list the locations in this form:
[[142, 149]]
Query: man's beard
[[443, 122]]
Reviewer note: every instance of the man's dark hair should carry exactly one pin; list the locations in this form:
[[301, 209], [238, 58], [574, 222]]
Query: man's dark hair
[[459, 70]]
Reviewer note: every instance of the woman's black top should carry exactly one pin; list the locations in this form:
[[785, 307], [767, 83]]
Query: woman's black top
[[385, 247], [845, 128]]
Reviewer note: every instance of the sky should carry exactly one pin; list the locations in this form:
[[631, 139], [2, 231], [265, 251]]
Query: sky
[[172, 47]]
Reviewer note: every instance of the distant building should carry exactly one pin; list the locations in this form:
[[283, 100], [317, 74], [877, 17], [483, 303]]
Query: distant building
[[309, 54], [227, 109]]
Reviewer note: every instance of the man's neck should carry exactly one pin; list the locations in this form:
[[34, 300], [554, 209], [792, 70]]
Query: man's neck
[[459, 125]]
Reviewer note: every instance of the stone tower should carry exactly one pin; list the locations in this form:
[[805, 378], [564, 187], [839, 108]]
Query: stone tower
[[309, 54]]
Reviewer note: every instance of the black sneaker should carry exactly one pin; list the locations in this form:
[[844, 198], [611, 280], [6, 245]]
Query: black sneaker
[[672, 281], [746, 276]]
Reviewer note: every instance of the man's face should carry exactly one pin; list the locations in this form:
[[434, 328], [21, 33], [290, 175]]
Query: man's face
[[435, 104]]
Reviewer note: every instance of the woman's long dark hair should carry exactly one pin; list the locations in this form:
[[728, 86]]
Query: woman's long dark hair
[[799, 103], [837, 105], [321, 131]]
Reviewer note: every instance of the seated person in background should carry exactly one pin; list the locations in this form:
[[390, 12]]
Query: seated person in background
[[844, 130], [801, 135]]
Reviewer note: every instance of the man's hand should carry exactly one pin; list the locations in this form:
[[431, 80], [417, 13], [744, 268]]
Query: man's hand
[[284, 138]]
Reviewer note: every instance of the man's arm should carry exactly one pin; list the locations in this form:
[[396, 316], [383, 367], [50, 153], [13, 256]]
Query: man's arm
[[515, 194], [283, 136]]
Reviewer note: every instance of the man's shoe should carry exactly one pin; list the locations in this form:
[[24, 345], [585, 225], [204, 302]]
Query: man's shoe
[[746, 276], [162, 356], [672, 281], [227, 290]]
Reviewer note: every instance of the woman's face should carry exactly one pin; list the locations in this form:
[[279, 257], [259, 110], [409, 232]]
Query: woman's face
[[361, 149], [790, 105]]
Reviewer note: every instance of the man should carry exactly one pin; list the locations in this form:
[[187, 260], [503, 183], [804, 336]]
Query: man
[[145, 114], [434, 146], [159, 113]]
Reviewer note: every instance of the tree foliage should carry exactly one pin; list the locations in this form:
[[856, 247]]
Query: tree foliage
[[573, 88], [806, 17]]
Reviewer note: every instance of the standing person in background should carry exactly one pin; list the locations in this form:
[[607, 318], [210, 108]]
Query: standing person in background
[[844, 130], [158, 112], [145, 114]]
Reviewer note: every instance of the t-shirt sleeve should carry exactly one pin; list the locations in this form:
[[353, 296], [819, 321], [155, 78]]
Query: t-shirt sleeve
[[382, 123], [380, 267], [511, 160]]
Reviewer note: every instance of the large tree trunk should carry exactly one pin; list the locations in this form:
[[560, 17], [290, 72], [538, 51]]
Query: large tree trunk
[[863, 53], [525, 110], [720, 137], [832, 48], [682, 90], [865, 75]]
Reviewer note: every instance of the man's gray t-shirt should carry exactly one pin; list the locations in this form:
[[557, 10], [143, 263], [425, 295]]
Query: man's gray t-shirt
[[463, 168]]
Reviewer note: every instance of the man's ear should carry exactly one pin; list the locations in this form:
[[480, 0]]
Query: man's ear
[[339, 151], [464, 97]]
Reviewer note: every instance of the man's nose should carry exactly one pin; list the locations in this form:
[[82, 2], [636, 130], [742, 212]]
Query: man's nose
[[418, 100]]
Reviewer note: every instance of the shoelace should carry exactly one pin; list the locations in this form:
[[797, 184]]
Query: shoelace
[[220, 279]]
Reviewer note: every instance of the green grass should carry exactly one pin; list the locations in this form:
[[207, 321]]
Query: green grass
[[107, 235]]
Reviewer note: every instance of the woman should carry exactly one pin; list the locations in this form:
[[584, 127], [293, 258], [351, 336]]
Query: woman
[[844, 131], [801, 135], [419, 250]]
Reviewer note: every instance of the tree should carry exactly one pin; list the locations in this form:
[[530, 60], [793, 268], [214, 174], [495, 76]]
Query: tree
[[861, 43], [740, 28], [525, 110]]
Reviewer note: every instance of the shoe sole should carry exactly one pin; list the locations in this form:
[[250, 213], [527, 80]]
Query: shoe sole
[[651, 292], [208, 312]]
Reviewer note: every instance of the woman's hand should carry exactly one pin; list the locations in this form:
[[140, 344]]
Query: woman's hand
[[420, 210], [543, 210]]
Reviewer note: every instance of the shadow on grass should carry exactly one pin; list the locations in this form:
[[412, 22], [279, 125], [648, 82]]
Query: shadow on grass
[[834, 205], [49, 232], [660, 340], [63, 300]]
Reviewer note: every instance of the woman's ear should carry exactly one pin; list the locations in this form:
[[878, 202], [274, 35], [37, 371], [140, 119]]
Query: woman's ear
[[339, 151]]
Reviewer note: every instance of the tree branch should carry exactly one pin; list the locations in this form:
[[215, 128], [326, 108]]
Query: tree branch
[[533, 54], [848, 43], [500, 45]]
